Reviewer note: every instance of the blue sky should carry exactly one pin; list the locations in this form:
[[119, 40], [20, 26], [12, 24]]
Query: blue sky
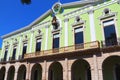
[[14, 15]]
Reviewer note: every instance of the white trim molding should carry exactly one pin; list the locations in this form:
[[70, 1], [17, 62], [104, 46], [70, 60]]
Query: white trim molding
[[46, 40], [66, 32], [92, 25], [31, 40]]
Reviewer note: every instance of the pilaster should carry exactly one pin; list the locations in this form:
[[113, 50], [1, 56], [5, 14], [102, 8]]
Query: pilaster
[[66, 32], [19, 47], [10, 49], [92, 24], [31, 40], [46, 40]]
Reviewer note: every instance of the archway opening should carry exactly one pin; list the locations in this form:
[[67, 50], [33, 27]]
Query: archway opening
[[2, 73], [21, 73], [55, 71], [36, 73], [11, 73], [111, 68], [80, 70]]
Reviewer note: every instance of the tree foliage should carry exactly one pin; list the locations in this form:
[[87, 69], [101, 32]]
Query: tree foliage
[[26, 1]]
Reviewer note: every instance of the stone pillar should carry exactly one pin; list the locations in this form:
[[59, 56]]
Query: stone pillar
[[31, 40], [92, 24], [95, 74], [100, 73], [17, 65], [44, 71], [66, 32], [6, 74], [15, 75], [65, 68], [46, 39], [28, 72], [19, 46], [69, 74]]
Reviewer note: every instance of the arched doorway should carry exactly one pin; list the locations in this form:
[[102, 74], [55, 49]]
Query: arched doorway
[[36, 73], [111, 68], [55, 71], [80, 70], [11, 73], [21, 73], [2, 73]]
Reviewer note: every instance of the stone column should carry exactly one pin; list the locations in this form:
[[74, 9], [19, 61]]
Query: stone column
[[28, 72], [15, 75], [69, 69], [6, 74], [95, 74], [69, 74], [17, 65], [100, 73], [31, 40], [44, 71], [19, 46], [92, 24], [65, 68], [46, 39], [66, 32]]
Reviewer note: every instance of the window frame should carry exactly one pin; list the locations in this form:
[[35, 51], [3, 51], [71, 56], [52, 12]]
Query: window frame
[[82, 30], [25, 43], [6, 49], [53, 40], [36, 44], [14, 57], [102, 26]]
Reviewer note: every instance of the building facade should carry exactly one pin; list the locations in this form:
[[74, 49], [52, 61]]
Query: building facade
[[72, 41]]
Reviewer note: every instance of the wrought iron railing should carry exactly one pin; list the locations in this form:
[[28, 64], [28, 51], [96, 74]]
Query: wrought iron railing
[[78, 47], [110, 42]]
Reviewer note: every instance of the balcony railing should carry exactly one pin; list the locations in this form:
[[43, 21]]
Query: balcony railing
[[73, 48], [110, 42]]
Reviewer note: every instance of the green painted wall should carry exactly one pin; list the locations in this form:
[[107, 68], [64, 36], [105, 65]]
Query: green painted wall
[[98, 25]]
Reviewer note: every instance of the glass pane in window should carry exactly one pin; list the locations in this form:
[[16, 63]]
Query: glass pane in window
[[14, 54], [56, 42], [38, 46], [5, 55], [79, 37], [110, 35], [24, 50]]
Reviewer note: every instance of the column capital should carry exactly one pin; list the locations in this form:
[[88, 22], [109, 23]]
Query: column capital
[[32, 31], [47, 26], [66, 19], [90, 11], [21, 35]]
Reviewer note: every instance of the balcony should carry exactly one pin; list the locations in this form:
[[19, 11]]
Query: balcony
[[110, 45], [65, 50]]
